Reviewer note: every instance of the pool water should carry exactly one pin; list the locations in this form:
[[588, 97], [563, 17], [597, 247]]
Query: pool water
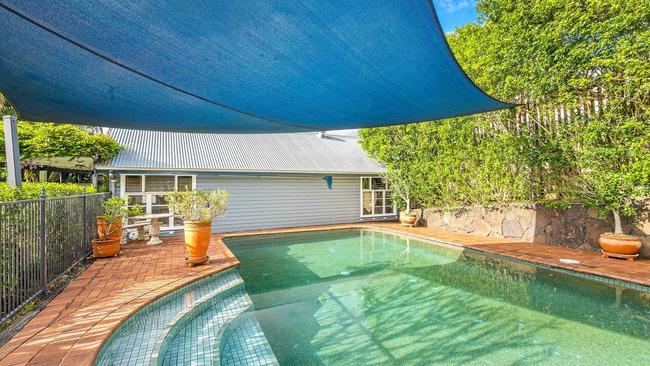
[[361, 297]]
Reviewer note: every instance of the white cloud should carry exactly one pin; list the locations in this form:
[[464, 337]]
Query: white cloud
[[451, 6]]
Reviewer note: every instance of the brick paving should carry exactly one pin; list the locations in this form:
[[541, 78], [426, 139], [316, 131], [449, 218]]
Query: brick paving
[[71, 329]]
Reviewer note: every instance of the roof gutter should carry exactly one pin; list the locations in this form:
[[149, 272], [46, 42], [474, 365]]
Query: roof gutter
[[246, 171]]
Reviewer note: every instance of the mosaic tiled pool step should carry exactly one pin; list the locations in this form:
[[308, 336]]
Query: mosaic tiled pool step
[[200, 340], [211, 303], [178, 324], [133, 342], [245, 344]]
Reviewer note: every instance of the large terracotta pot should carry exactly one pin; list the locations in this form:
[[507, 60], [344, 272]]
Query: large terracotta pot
[[106, 248], [407, 219], [620, 244], [197, 239], [116, 229]]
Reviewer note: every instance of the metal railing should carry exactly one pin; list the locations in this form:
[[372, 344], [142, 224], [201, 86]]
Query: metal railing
[[40, 240]]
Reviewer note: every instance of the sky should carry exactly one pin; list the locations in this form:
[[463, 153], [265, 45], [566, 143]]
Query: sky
[[454, 13]]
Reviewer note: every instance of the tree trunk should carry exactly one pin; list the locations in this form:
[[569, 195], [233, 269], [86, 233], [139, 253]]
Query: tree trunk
[[408, 205], [618, 228]]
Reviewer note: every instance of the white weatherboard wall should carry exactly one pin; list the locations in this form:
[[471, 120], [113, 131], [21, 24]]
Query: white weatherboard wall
[[274, 202]]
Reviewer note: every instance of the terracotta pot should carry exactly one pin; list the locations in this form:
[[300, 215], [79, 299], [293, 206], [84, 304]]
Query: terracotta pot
[[197, 239], [106, 248], [102, 227], [620, 244], [407, 219]]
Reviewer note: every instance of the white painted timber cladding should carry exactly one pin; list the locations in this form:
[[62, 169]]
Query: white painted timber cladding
[[274, 202]]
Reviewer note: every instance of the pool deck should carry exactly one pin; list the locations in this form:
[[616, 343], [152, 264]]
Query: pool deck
[[71, 329]]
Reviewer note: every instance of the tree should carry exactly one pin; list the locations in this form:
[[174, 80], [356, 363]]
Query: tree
[[580, 71], [43, 140]]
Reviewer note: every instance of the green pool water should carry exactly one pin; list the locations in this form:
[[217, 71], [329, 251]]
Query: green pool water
[[360, 297]]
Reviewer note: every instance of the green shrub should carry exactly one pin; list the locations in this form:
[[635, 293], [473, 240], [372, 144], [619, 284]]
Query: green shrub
[[33, 190]]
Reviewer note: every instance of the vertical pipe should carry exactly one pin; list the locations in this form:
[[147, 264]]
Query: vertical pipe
[[12, 152], [42, 242]]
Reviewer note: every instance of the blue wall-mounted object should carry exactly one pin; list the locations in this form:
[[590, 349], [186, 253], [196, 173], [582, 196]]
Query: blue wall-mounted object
[[328, 181], [232, 66]]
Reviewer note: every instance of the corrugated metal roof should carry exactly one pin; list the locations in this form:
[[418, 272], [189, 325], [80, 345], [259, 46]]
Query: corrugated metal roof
[[287, 153]]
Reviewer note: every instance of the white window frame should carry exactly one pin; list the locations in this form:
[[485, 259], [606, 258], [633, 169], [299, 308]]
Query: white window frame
[[372, 197], [147, 196]]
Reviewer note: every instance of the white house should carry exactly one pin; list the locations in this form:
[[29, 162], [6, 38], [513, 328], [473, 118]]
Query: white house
[[275, 180]]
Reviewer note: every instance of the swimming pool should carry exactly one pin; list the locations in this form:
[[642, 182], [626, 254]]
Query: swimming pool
[[363, 297]]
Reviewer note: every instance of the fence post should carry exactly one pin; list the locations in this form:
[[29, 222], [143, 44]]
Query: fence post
[[42, 242], [85, 221]]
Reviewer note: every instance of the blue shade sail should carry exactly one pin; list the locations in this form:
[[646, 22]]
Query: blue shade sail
[[232, 66]]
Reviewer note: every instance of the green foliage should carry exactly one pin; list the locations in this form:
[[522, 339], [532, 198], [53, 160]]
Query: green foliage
[[42, 140], [614, 157], [198, 205], [579, 70], [446, 165], [115, 208], [5, 107], [33, 190]]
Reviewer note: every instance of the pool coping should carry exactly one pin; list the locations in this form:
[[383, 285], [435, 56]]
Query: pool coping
[[66, 331]]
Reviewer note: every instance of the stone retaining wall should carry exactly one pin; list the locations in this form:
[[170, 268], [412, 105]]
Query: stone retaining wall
[[574, 227]]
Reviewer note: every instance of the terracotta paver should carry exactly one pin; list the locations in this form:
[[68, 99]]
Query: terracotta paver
[[71, 329]]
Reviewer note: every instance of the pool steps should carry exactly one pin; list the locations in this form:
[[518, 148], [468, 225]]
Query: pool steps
[[244, 343], [217, 305], [180, 321], [228, 329]]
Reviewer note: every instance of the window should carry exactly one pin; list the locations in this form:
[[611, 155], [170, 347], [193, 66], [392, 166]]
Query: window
[[150, 191], [376, 197]]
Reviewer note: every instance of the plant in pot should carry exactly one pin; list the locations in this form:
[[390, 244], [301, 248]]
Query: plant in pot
[[197, 209], [614, 159], [400, 188], [109, 226]]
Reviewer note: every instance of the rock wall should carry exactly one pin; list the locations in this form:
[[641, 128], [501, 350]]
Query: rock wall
[[574, 227]]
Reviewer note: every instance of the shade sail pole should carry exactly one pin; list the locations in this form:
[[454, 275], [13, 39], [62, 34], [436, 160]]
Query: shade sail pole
[[12, 152]]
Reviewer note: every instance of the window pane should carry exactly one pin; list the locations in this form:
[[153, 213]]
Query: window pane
[[388, 208], [159, 183], [159, 210], [367, 203], [378, 183], [158, 199], [378, 207], [132, 200], [365, 183], [184, 183], [178, 221], [133, 183]]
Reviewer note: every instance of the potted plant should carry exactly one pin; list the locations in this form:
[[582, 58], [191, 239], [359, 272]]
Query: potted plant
[[197, 209], [611, 193], [399, 184], [614, 163], [109, 226]]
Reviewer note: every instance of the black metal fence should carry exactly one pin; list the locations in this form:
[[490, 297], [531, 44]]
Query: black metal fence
[[40, 240]]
